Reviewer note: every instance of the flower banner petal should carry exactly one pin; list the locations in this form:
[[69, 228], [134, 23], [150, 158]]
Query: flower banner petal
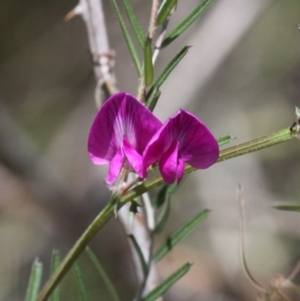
[[198, 147], [121, 115], [102, 141]]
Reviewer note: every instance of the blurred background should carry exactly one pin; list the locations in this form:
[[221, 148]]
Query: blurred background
[[241, 77]]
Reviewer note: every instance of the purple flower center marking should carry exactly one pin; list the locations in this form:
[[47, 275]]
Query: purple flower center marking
[[120, 133], [182, 139]]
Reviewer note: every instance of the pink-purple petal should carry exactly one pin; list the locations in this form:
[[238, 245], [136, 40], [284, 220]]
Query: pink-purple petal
[[197, 145], [134, 158], [121, 115], [199, 149], [169, 162], [122, 127], [180, 170], [115, 167]]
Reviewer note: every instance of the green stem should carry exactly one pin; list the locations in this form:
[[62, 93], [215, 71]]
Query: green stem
[[108, 211]]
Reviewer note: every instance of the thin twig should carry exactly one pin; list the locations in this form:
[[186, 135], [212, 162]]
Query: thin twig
[[103, 57], [151, 32], [151, 279], [152, 23], [160, 38]]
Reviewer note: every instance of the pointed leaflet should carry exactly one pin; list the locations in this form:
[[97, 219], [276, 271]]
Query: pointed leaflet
[[140, 254], [165, 248], [81, 286], [224, 140], [34, 281], [164, 11], [152, 98], [164, 215], [166, 284], [55, 261], [163, 76], [139, 34], [127, 37], [103, 275], [289, 207], [178, 30], [148, 66]]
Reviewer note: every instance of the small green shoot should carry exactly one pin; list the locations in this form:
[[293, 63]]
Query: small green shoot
[[108, 284], [81, 286], [179, 29], [34, 281], [176, 237], [136, 27], [128, 39], [165, 285]]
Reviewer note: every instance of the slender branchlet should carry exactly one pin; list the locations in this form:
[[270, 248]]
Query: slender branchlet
[[241, 200]]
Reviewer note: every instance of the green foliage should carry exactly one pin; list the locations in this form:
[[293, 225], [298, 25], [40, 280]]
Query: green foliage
[[137, 29], [293, 207], [224, 140], [179, 29], [81, 286], [174, 238], [163, 217], [164, 11], [108, 284], [55, 261], [166, 284], [153, 98], [128, 39], [34, 281], [140, 254], [148, 66], [166, 72], [163, 200]]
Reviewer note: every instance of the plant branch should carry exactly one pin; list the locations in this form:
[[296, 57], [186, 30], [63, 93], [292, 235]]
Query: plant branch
[[103, 57], [108, 212]]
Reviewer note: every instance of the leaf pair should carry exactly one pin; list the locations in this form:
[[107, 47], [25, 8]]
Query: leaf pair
[[145, 70]]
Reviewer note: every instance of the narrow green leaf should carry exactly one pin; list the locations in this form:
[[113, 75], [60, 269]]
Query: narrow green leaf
[[152, 98], [137, 29], [161, 197], [179, 29], [34, 281], [148, 66], [225, 139], [128, 39], [81, 286], [170, 67], [179, 234], [163, 218], [173, 187], [294, 207], [165, 285], [164, 11], [55, 261], [108, 284], [140, 254]]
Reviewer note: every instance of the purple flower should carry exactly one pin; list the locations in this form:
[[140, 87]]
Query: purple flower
[[182, 139], [120, 133]]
